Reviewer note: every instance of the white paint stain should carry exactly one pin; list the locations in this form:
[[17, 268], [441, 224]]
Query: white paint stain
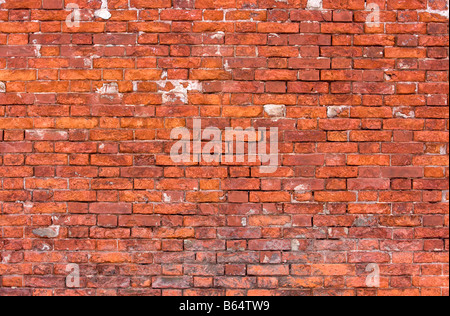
[[314, 5], [2, 87], [300, 189], [218, 52], [103, 13], [404, 65], [244, 221]]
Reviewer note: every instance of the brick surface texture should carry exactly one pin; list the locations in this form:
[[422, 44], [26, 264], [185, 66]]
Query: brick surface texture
[[87, 180]]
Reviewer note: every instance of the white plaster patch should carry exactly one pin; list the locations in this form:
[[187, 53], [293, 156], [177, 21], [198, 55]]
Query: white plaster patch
[[444, 196], [49, 232], [244, 221], [179, 90], [109, 88], [103, 13], [226, 66], [399, 113], [2, 87], [275, 110], [87, 62], [295, 245], [314, 4], [167, 198], [302, 188], [443, 13], [45, 247], [218, 35], [39, 135], [37, 49], [218, 51], [6, 259], [335, 111], [28, 205], [188, 243], [404, 65]]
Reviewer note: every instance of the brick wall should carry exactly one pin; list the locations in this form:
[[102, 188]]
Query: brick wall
[[92, 202]]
